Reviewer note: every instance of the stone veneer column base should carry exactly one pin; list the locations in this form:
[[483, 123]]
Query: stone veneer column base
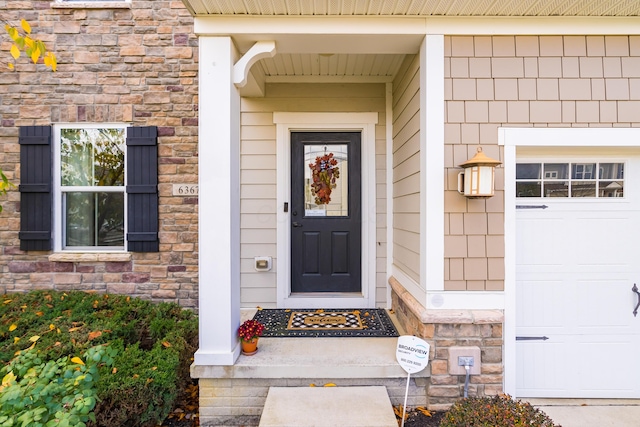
[[444, 329]]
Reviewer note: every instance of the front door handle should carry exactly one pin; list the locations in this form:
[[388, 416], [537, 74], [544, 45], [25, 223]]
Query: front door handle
[[635, 290], [296, 224]]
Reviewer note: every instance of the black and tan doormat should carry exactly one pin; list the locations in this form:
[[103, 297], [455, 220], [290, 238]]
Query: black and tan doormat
[[326, 323]]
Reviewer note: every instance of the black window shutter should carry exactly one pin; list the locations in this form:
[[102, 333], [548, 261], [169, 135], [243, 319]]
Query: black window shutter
[[35, 188], [142, 189]]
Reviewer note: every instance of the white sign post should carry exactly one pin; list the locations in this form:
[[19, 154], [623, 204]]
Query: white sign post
[[412, 353]]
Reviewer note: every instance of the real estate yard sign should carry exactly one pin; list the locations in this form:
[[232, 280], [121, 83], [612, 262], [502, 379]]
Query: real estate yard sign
[[412, 353]]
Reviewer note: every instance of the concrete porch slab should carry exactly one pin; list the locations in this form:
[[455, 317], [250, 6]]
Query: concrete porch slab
[[328, 407], [314, 357], [590, 412]]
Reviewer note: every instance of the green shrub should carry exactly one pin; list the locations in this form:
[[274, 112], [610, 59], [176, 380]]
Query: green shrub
[[61, 392], [497, 411], [153, 347]]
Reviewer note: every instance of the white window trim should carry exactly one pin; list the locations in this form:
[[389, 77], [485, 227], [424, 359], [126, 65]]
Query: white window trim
[[511, 139], [103, 4], [330, 122], [56, 188]]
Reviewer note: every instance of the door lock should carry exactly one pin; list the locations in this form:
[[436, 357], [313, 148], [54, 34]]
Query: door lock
[[296, 224]]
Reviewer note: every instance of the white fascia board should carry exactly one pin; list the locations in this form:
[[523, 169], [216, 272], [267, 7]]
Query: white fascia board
[[553, 25], [570, 137], [230, 25]]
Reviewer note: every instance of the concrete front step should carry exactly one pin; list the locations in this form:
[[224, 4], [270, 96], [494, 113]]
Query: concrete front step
[[328, 407]]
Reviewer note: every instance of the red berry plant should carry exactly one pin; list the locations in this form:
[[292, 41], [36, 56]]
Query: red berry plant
[[250, 329], [324, 173]]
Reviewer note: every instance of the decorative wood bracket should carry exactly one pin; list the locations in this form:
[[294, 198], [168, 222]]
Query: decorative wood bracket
[[260, 50]]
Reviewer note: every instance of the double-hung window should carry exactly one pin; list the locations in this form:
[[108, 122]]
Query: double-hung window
[[92, 186], [89, 188]]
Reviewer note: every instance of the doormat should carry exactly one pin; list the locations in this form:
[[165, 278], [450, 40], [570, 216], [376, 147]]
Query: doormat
[[326, 323]]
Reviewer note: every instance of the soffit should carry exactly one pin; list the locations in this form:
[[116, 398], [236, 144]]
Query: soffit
[[454, 8]]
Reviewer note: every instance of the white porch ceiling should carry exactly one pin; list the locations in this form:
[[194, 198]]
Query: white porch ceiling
[[456, 8]]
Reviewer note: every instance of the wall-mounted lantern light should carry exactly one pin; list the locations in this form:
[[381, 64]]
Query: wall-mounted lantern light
[[477, 179]]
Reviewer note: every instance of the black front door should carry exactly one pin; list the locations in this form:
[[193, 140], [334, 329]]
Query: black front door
[[325, 212]]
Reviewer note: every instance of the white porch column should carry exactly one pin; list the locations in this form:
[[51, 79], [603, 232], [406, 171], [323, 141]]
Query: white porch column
[[432, 168], [219, 203]]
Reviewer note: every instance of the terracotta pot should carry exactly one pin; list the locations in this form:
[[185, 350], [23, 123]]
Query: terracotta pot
[[249, 348]]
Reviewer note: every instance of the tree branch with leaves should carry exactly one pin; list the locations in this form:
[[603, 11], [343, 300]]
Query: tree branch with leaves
[[33, 48]]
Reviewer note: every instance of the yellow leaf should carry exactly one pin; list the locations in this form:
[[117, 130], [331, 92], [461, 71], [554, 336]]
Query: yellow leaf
[[11, 66], [8, 379], [34, 338], [166, 344], [15, 52], [312, 385], [51, 327], [319, 310], [136, 376], [35, 55], [74, 329], [7, 301], [13, 327], [16, 339], [39, 313], [77, 360], [330, 385], [424, 411], [114, 370], [259, 308], [154, 368], [25, 26]]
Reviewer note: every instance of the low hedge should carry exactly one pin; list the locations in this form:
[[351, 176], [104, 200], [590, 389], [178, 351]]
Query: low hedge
[[495, 411], [153, 345]]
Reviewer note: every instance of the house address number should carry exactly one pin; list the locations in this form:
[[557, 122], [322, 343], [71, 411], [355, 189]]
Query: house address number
[[185, 189]]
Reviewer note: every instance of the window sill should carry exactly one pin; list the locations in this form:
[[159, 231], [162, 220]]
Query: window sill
[[91, 5], [89, 257]]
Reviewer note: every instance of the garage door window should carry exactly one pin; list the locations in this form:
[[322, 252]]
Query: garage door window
[[570, 180]]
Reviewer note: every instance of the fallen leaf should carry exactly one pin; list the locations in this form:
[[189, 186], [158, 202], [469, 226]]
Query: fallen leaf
[[166, 344], [356, 312], [259, 308], [39, 313], [366, 314], [424, 411], [319, 310], [7, 301], [48, 297], [114, 370], [13, 327], [330, 385], [391, 311], [94, 335], [149, 380], [51, 326], [74, 329], [16, 339], [34, 338], [312, 385], [57, 344], [136, 376], [287, 310], [154, 368], [77, 360]]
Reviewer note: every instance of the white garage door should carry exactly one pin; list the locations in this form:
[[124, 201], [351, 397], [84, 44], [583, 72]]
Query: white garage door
[[577, 261]]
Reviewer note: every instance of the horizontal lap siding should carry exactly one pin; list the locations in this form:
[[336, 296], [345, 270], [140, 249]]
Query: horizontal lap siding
[[258, 176], [541, 81], [406, 169]]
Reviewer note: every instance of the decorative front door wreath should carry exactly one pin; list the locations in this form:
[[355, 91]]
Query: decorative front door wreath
[[324, 173]]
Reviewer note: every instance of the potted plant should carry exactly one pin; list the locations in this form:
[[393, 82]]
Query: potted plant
[[249, 332]]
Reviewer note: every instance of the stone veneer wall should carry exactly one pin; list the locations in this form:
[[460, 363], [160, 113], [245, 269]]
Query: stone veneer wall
[[444, 329], [135, 64]]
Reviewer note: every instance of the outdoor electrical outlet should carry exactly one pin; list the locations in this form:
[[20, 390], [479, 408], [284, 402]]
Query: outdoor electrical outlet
[[465, 360]]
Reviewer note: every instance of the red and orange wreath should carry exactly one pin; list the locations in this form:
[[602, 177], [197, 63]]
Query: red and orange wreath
[[324, 173]]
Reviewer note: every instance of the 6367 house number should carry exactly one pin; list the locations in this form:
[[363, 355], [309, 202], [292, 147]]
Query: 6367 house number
[[185, 189]]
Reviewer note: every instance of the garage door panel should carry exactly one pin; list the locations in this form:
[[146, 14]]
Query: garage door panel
[[593, 242], [534, 308], [606, 370], [592, 313], [546, 365], [551, 247]]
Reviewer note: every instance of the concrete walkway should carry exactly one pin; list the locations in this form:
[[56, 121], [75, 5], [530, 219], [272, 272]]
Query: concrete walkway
[[590, 412]]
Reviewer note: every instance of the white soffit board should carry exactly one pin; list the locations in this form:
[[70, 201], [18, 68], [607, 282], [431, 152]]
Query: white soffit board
[[537, 8]]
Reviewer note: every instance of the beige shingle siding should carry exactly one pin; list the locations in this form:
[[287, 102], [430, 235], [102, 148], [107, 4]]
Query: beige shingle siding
[[554, 81]]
